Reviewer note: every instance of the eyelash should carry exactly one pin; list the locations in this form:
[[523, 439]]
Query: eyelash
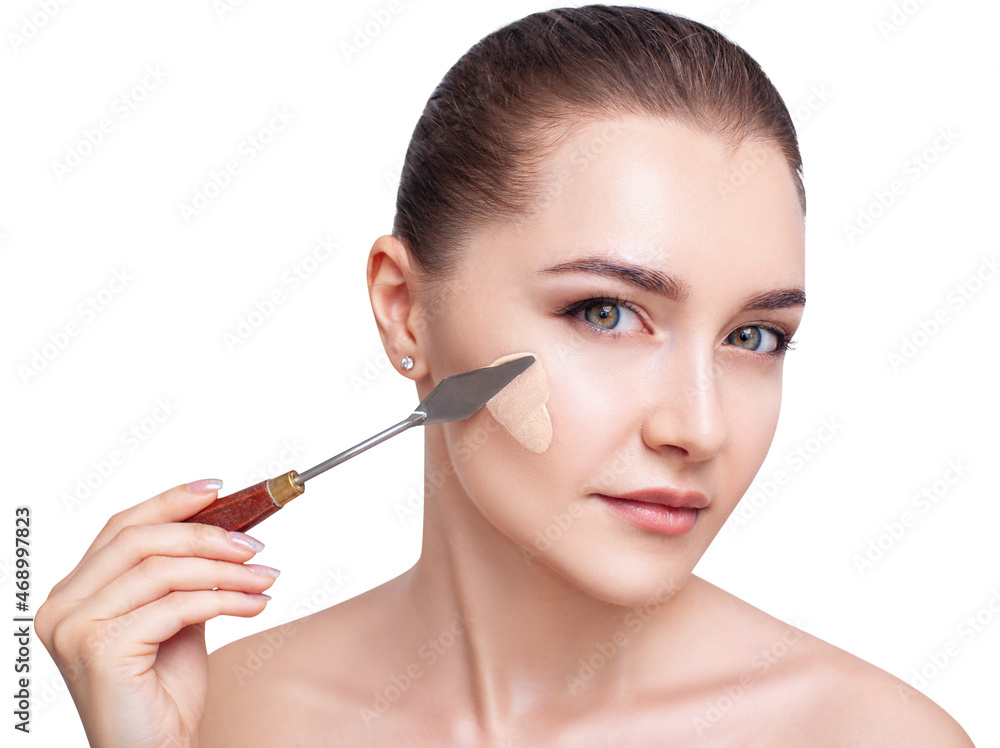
[[785, 343]]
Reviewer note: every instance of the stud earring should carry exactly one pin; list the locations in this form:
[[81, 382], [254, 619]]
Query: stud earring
[[407, 363]]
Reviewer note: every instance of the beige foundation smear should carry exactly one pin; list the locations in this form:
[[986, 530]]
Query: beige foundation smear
[[520, 406]]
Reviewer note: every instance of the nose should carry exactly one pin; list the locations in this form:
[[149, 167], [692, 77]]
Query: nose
[[685, 414]]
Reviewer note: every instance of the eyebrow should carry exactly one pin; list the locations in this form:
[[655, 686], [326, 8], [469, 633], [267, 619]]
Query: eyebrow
[[672, 288]]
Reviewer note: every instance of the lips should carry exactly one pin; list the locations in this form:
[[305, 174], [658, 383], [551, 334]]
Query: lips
[[662, 510], [665, 496]]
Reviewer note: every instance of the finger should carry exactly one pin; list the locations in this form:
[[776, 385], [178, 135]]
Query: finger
[[191, 497], [173, 505], [187, 499], [161, 619], [134, 543], [158, 576]]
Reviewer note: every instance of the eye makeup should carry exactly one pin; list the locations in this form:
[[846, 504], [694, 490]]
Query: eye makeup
[[783, 341]]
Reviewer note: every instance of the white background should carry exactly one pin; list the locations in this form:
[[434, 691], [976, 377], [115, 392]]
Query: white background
[[871, 84]]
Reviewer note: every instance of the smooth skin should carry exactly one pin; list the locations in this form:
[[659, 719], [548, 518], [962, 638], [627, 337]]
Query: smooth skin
[[535, 616]]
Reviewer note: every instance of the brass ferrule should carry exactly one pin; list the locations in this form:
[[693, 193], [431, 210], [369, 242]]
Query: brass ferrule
[[284, 488]]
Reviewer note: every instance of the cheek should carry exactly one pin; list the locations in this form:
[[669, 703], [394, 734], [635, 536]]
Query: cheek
[[599, 395], [519, 489], [513, 488], [752, 405]]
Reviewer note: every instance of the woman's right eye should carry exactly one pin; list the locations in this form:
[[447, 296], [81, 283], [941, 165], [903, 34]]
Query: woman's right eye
[[610, 315]]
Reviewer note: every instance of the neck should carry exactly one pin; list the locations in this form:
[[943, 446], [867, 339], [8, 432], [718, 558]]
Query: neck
[[507, 633]]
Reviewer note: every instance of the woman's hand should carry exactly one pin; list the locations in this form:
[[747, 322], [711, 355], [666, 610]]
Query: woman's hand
[[127, 626]]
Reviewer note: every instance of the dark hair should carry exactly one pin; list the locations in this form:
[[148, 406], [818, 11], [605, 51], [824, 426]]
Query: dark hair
[[476, 153]]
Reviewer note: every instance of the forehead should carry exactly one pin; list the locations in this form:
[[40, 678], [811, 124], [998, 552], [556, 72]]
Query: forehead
[[663, 195]]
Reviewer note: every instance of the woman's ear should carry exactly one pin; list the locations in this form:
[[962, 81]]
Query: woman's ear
[[390, 279]]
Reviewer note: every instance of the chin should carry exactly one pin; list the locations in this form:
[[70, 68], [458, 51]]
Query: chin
[[625, 578], [647, 594]]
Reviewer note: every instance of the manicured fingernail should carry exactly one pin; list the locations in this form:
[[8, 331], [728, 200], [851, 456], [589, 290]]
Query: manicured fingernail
[[205, 485], [259, 595], [266, 571], [242, 540]]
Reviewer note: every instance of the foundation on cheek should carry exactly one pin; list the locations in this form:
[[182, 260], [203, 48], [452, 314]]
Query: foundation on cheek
[[520, 406]]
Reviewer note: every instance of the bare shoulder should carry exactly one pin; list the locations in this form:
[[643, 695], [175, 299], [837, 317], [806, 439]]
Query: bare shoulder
[[867, 705], [288, 684], [815, 693]]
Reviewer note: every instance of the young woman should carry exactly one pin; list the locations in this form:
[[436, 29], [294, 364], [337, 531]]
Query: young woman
[[618, 192]]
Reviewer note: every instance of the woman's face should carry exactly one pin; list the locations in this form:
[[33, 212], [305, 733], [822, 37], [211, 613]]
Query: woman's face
[[669, 377]]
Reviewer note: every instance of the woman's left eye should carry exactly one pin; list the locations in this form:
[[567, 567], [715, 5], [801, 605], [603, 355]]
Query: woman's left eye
[[759, 339]]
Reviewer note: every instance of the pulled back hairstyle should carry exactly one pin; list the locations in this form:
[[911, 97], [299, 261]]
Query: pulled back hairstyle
[[477, 152]]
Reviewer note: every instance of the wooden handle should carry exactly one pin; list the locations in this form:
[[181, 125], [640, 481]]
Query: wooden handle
[[239, 511]]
